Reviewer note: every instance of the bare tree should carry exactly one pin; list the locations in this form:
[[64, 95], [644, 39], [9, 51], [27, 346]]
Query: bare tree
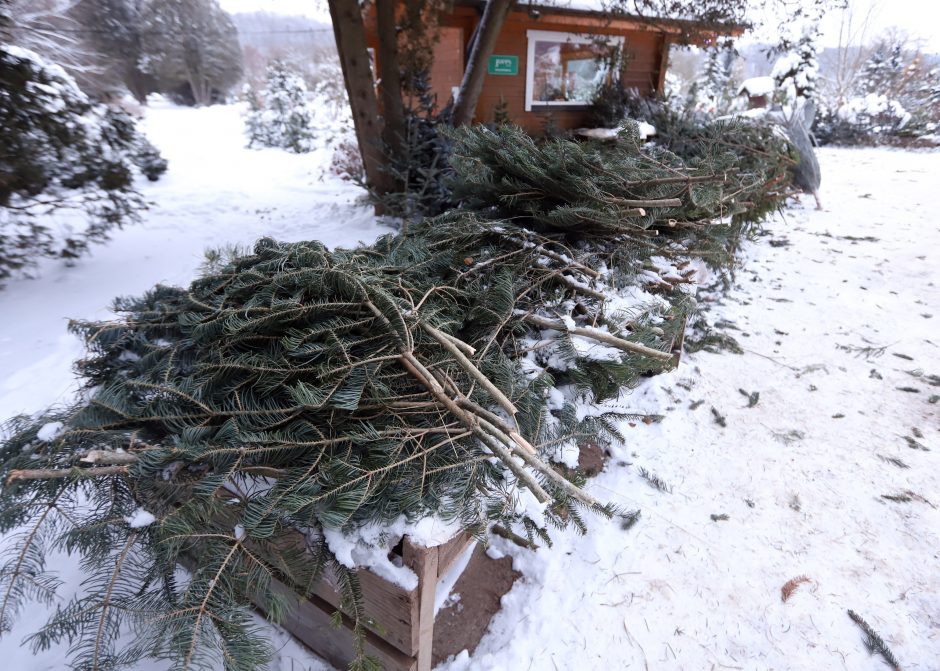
[[191, 44], [842, 70], [49, 28]]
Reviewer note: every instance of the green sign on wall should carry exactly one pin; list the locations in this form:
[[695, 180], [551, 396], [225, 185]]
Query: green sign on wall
[[503, 65]]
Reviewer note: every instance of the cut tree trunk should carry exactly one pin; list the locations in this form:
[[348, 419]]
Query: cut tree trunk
[[350, 35], [494, 16]]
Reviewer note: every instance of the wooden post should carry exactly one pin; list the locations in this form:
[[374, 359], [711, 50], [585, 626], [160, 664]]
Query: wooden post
[[494, 16], [423, 561], [393, 109], [350, 35], [663, 65]]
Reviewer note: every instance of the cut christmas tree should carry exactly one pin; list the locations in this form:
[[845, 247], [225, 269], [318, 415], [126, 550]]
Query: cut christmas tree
[[438, 376]]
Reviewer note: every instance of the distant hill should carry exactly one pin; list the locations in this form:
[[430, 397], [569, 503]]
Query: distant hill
[[269, 33]]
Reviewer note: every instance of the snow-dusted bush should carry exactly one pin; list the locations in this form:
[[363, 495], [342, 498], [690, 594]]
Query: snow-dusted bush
[[346, 162], [67, 165], [895, 99], [868, 119], [281, 116], [795, 72], [333, 124], [878, 113]]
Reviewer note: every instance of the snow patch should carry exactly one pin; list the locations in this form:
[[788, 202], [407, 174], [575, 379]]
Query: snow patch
[[49, 431], [139, 519], [369, 546], [757, 86], [442, 595]]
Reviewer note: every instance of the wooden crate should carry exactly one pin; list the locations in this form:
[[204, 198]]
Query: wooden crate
[[401, 633]]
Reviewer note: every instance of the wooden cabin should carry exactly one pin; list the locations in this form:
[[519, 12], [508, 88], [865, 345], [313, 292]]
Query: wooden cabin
[[759, 91], [548, 59]]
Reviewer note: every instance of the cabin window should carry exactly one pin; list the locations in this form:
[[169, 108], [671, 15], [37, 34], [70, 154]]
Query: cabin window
[[565, 69]]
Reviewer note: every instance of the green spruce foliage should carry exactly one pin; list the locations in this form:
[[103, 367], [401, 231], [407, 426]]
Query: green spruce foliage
[[738, 171], [292, 389], [420, 168]]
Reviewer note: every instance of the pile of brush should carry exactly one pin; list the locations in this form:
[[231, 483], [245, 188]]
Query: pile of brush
[[437, 372]]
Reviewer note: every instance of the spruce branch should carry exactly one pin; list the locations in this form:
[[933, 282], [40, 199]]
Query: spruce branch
[[27, 565], [109, 457], [600, 336], [467, 365], [292, 389], [75, 472], [874, 642], [499, 450], [790, 587]]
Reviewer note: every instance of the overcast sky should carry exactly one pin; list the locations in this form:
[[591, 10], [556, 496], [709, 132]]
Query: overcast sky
[[315, 9], [919, 18]]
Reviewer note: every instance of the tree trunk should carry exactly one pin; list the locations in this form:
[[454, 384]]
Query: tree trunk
[[354, 57], [138, 83], [393, 109], [494, 16]]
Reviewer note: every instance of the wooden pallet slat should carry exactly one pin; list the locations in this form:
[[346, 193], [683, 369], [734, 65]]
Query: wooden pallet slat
[[310, 620], [400, 630]]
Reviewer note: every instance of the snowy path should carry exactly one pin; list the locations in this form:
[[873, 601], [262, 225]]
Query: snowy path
[[216, 192], [800, 475]]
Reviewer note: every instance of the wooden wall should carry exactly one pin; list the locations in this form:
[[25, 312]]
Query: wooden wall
[[642, 71], [644, 45]]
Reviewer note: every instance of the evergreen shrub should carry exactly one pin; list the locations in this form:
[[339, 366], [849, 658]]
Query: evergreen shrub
[[61, 154], [281, 115]]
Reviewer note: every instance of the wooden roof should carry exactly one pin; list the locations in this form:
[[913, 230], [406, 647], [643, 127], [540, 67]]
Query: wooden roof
[[593, 12]]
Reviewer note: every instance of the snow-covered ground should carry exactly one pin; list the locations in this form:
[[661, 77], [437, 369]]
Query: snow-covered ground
[[800, 475], [216, 192]]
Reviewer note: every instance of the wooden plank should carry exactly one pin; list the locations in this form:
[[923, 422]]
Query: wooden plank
[[597, 23], [402, 638], [450, 551], [310, 621], [393, 610], [424, 562], [447, 66]]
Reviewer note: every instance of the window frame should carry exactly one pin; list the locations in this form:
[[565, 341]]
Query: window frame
[[533, 36]]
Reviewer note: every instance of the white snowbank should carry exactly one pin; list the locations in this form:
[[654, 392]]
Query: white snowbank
[[681, 591], [757, 86], [645, 129]]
